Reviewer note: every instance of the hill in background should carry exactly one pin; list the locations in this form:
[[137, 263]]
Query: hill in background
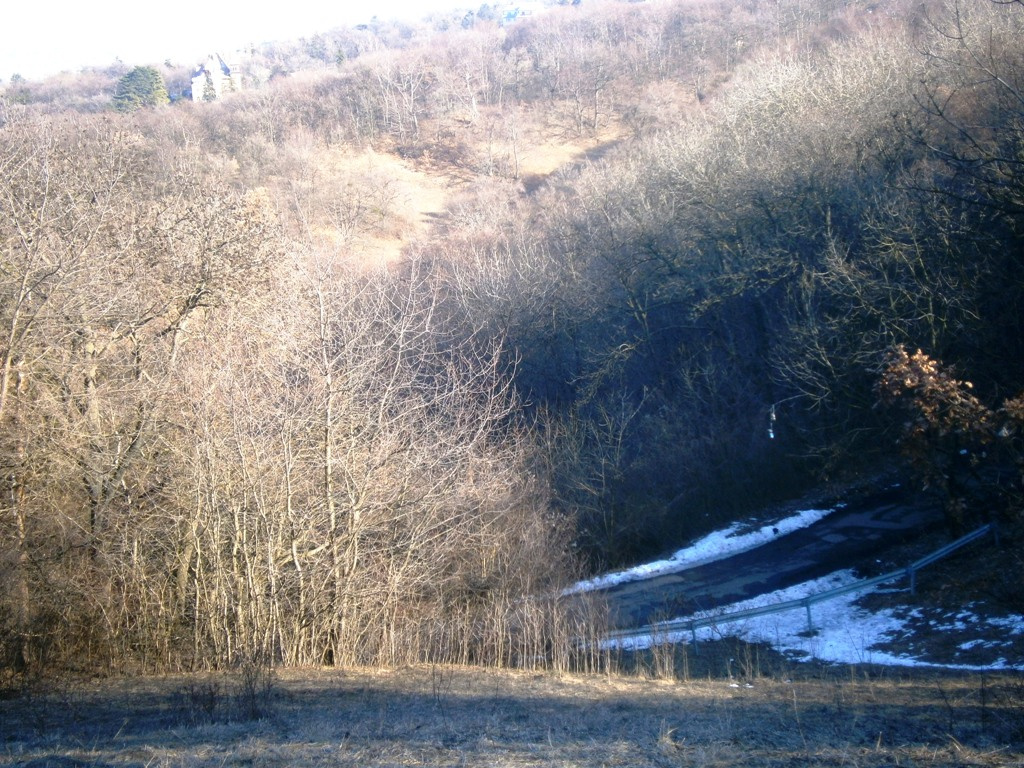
[[336, 368]]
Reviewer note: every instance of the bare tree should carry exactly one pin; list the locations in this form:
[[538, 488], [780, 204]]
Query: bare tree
[[102, 282]]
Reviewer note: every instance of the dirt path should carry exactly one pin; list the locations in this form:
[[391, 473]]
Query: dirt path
[[852, 537]]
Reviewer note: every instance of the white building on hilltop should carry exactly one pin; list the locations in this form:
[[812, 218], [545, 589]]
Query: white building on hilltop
[[513, 12], [213, 79]]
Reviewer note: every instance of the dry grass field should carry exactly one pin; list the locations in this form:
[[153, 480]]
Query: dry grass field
[[433, 716]]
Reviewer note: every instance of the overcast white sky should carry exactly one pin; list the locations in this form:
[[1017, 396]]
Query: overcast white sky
[[43, 37]]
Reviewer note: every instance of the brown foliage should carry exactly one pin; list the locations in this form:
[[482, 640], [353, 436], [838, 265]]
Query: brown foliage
[[949, 435]]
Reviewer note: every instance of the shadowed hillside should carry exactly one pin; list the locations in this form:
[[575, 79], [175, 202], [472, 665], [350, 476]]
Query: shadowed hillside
[[341, 367]]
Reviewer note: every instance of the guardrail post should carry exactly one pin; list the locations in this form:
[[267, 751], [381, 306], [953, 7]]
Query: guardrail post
[[912, 577], [693, 637], [810, 623]]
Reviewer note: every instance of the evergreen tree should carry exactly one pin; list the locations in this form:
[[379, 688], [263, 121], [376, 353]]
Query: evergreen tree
[[141, 87], [209, 89]]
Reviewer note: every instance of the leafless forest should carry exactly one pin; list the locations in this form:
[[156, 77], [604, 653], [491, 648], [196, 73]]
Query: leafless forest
[[361, 363]]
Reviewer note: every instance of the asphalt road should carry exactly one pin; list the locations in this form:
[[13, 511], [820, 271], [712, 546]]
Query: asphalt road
[[850, 537]]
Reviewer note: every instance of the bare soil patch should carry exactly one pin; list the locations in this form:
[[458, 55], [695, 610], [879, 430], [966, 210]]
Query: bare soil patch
[[446, 716], [419, 189], [414, 199]]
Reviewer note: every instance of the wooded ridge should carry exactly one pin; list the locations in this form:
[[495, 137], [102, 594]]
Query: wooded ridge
[[356, 364]]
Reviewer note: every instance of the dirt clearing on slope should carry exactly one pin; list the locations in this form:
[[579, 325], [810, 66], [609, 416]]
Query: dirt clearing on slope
[[365, 205], [373, 205]]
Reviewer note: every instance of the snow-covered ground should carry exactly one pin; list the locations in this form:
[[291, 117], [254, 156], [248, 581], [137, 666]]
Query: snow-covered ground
[[844, 632], [714, 546]]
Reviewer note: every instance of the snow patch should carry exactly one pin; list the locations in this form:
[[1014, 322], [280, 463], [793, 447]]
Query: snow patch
[[843, 632], [715, 546]]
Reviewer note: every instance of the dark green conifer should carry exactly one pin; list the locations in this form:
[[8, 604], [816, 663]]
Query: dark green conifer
[[209, 90], [141, 87]]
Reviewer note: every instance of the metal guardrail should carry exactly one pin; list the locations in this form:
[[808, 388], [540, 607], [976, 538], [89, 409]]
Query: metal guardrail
[[678, 626]]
